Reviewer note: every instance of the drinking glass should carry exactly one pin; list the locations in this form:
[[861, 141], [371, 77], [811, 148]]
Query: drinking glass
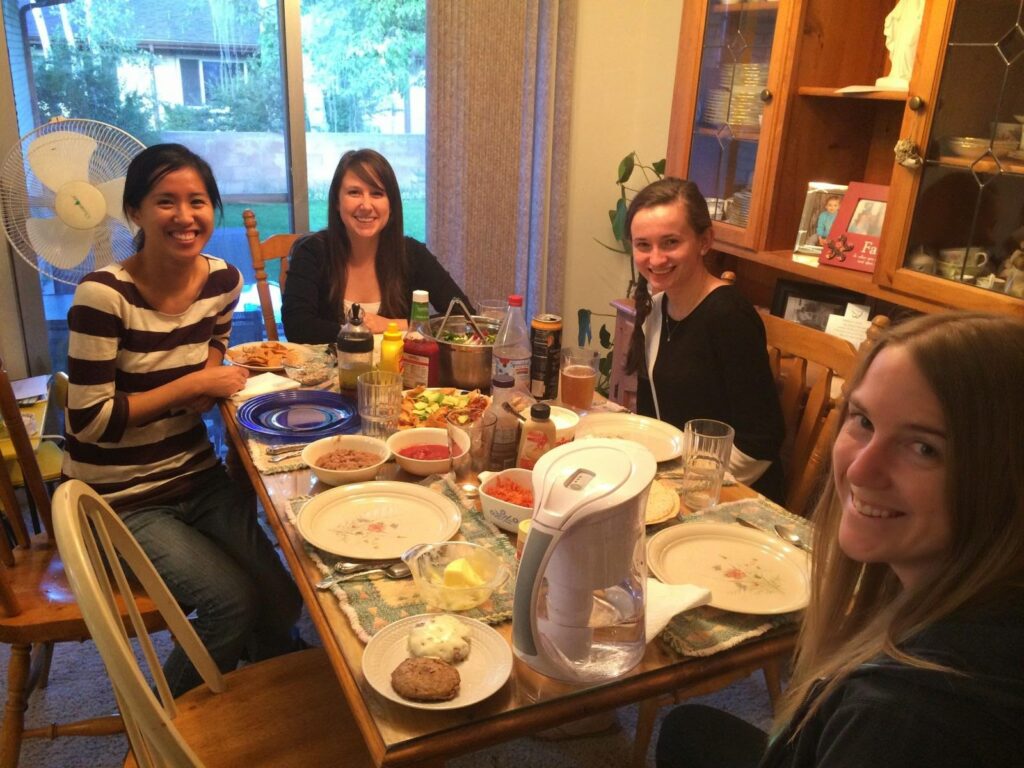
[[493, 308], [578, 377], [706, 448], [470, 437], [379, 394]]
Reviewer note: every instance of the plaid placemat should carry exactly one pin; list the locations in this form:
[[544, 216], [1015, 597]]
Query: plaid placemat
[[258, 451], [372, 605], [706, 631]]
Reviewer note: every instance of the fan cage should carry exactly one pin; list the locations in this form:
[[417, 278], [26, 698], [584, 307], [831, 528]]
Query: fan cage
[[23, 195]]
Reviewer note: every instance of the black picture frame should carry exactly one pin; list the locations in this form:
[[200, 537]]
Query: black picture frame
[[810, 304]]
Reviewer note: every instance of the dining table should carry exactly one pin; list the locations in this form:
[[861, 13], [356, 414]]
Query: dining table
[[529, 702], [33, 411]]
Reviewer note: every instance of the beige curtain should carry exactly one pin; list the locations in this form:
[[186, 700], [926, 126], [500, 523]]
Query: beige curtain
[[499, 86]]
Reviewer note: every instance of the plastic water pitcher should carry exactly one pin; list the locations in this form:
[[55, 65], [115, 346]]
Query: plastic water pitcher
[[578, 612]]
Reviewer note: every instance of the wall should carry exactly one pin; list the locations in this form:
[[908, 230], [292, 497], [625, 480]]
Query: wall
[[622, 97]]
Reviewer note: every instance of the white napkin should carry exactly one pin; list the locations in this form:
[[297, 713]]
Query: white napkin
[[262, 385], [667, 600]]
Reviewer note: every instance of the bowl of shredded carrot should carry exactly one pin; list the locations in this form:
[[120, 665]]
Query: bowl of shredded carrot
[[506, 497]]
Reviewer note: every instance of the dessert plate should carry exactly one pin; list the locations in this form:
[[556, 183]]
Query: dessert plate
[[747, 571], [483, 672], [377, 520]]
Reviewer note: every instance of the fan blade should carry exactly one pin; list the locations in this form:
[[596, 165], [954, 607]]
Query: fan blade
[[113, 193], [59, 157], [57, 243]]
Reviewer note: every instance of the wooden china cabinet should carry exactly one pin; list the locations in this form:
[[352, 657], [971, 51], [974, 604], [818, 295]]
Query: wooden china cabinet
[[757, 114]]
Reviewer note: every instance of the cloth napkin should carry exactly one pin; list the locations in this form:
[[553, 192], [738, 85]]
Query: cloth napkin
[[263, 384], [665, 601]]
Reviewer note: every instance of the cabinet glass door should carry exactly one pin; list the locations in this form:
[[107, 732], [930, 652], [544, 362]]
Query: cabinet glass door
[[731, 87], [968, 216]]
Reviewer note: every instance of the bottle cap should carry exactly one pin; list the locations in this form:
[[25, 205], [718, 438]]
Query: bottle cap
[[540, 411], [515, 300], [420, 296], [503, 380], [392, 333]]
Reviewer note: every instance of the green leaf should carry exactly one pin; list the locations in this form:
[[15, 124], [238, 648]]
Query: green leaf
[[626, 168], [604, 365], [659, 167], [605, 337], [619, 221]]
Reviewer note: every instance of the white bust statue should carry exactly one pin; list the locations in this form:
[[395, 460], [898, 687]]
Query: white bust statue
[[902, 30]]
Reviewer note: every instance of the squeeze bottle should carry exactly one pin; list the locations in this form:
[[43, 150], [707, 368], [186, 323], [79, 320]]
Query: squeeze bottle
[[421, 356], [537, 437], [391, 349]]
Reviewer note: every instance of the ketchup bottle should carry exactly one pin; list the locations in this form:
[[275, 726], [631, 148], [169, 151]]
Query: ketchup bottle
[[421, 355]]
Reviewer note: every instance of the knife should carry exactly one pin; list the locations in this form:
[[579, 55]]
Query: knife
[[290, 448]]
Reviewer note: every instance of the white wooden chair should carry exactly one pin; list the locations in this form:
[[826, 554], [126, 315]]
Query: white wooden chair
[[283, 712]]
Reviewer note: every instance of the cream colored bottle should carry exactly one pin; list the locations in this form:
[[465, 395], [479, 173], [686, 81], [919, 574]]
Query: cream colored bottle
[[537, 436]]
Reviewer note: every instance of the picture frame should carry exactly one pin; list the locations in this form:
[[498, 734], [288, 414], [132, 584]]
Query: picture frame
[[853, 240], [810, 304], [821, 207]]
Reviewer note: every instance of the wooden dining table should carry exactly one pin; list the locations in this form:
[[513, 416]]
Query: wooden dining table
[[528, 703]]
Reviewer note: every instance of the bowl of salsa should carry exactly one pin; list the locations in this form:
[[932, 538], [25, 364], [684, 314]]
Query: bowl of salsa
[[421, 451]]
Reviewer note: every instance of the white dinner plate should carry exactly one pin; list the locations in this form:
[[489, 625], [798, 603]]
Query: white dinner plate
[[660, 438], [297, 355], [747, 571], [377, 520], [481, 674]]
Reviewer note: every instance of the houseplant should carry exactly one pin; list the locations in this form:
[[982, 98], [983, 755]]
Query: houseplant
[[630, 166]]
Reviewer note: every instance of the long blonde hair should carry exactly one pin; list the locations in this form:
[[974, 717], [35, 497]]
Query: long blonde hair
[[974, 363]]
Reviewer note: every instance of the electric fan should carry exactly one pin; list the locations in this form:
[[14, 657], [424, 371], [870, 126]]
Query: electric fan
[[61, 187]]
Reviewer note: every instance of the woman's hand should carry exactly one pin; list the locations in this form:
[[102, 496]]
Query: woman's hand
[[222, 380], [377, 324], [201, 404]]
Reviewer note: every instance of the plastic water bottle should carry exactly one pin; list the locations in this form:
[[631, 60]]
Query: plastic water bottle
[[512, 349]]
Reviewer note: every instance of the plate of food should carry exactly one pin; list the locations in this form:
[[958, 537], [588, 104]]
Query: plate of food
[[747, 571], [377, 519], [428, 406], [268, 355], [437, 661], [660, 438]]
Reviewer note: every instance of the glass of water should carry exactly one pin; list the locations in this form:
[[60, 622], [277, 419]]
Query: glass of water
[[706, 447], [379, 394]]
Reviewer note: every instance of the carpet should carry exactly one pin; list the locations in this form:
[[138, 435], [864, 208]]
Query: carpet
[[79, 687]]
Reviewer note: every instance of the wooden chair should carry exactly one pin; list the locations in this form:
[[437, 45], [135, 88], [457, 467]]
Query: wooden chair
[[50, 453], [286, 711], [275, 247], [37, 607]]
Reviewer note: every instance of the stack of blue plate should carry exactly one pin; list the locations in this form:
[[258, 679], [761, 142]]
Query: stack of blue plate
[[298, 413]]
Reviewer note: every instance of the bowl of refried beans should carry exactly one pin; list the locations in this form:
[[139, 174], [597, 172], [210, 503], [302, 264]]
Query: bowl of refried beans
[[346, 458]]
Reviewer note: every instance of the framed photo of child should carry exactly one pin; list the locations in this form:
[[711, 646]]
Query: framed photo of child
[[853, 239], [821, 206]]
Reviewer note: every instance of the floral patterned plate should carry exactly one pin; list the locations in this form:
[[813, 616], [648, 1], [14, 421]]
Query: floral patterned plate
[[747, 571], [377, 520]]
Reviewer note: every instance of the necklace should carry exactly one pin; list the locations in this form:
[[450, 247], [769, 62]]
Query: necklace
[[671, 326]]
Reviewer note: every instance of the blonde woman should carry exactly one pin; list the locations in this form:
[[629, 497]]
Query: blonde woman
[[911, 649]]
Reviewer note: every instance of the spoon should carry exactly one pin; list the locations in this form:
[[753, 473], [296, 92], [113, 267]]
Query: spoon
[[352, 566], [787, 533], [393, 571]]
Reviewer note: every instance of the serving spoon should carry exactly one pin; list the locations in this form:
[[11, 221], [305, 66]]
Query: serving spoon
[[397, 570]]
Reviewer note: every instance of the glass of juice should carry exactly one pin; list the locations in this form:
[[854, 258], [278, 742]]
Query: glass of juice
[[577, 377]]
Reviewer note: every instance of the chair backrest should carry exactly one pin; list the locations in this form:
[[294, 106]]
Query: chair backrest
[[275, 247], [33, 479], [806, 364], [94, 544]]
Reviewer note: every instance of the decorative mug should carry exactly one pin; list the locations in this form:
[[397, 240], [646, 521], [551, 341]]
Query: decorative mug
[[952, 260]]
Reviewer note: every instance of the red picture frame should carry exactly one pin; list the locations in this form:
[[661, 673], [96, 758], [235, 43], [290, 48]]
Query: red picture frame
[[855, 234]]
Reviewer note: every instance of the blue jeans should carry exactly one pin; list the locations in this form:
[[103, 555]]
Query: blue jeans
[[216, 559]]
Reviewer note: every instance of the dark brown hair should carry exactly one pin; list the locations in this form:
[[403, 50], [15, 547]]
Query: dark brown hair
[[390, 264], [665, 191]]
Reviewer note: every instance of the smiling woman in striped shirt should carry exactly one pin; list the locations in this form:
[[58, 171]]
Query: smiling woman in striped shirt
[[147, 341]]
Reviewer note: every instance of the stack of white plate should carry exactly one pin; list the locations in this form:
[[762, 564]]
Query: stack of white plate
[[739, 208]]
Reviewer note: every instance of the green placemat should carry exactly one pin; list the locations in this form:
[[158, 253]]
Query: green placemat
[[372, 605], [706, 631]]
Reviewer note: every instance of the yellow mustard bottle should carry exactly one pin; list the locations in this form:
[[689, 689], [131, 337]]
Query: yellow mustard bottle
[[391, 349]]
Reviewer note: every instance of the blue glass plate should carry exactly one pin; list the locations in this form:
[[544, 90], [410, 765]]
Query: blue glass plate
[[298, 413]]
